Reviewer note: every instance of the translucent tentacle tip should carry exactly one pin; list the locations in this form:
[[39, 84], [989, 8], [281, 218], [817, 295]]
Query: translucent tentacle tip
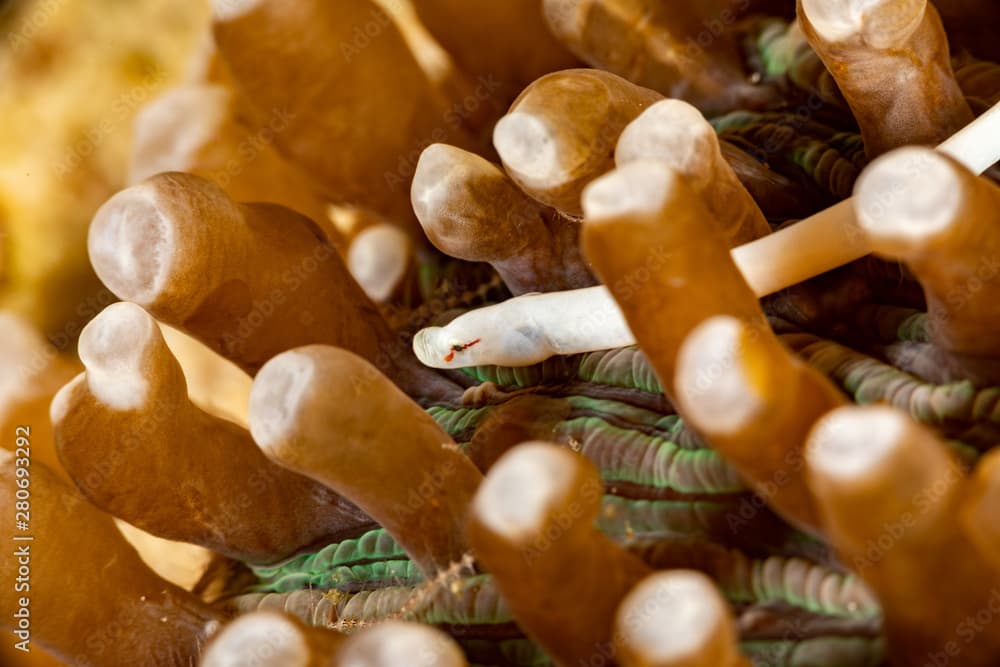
[[642, 187], [396, 643], [529, 147], [278, 401], [676, 618], [882, 24], [907, 196], [117, 348], [378, 259], [523, 490], [131, 245], [567, 18], [229, 10], [675, 132], [261, 638], [852, 446], [721, 381]]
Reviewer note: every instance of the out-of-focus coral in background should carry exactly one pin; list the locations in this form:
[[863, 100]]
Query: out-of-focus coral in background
[[73, 75]]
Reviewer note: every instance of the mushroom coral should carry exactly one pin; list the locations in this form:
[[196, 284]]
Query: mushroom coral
[[577, 365]]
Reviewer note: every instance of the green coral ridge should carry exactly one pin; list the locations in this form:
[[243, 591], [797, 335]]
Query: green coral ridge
[[472, 604], [668, 498], [960, 410], [810, 153], [374, 556], [683, 501], [626, 368], [630, 456]]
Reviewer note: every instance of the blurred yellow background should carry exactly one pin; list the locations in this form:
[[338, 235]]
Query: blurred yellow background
[[73, 74]]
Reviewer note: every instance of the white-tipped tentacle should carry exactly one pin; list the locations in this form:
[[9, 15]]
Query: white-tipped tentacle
[[531, 328]]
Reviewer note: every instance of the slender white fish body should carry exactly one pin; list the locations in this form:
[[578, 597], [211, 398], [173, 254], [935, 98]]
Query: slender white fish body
[[531, 328], [526, 330], [976, 145], [832, 237], [818, 244]]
